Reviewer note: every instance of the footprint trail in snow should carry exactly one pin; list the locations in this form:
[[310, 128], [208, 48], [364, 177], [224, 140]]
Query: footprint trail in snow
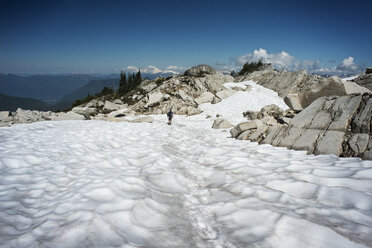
[[101, 184]]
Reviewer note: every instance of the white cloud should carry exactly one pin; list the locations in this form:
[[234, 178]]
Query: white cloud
[[346, 68], [284, 60], [348, 61], [151, 70], [132, 68], [279, 60]]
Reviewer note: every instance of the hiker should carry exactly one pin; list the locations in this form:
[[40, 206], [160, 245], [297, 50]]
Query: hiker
[[170, 116]]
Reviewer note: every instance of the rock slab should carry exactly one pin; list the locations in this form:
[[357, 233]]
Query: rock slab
[[221, 123], [339, 125]]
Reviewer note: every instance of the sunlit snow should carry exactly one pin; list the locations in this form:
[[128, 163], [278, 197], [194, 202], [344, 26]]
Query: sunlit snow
[[107, 184]]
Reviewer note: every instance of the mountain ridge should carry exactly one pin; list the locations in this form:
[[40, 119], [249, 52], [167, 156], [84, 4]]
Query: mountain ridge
[[12, 103]]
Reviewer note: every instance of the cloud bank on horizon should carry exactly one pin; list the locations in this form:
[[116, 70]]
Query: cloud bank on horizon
[[284, 60], [281, 61]]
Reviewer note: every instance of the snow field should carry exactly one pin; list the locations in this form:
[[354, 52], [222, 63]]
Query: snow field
[[232, 107], [107, 184]]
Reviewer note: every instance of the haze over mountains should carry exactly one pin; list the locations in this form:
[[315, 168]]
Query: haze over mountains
[[53, 92]]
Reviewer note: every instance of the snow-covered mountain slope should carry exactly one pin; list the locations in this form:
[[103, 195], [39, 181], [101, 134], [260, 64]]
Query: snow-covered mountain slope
[[106, 184], [254, 99]]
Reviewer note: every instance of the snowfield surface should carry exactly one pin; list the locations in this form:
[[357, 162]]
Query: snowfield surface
[[233, 107], [107, 184]]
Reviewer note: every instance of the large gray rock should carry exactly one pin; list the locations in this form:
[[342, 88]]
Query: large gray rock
[[4, 115], [220, 123], [359, 142], [188, 110], [154, 99], [293, 101], [365, 80], [258, 134], [206, 97], [354, 88], [184, 96], [95, 104], [87, 112], [118, 101], [238, 129], [298, 88], [25, 116], [225, 94], [330, 125], [332, 86], [272, 111], [307, 140], [148, 86], [68, 116], [330, 143], [361, 121], [200, 70], [110, 106]]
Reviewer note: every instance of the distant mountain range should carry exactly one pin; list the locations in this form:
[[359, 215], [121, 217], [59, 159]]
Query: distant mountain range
[[92, 87], [47, 88], [11, 103], [54, 92]]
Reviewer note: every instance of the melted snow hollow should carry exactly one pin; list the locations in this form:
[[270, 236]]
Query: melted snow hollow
[[106, 184]]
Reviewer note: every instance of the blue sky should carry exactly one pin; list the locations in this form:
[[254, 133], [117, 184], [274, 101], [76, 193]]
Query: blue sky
[[47, 37]]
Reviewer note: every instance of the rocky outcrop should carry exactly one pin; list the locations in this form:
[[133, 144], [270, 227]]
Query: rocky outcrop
[[368, 70], [110, 106], [85, 111], [204, 98], [184, 93], [220, 123], [243, 127], [118, 101], [96, 103], [271, 114], [365, 80], [354, 88], [4, 115], [68, 116], [298, 89], [148, 86], [28, 116], [332, 86], [225, 94], [200, 71], [330, 125], [154, 99]]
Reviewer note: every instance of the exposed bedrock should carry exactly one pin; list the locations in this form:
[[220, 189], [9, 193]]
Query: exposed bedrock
[[299, 89], [330, 125]]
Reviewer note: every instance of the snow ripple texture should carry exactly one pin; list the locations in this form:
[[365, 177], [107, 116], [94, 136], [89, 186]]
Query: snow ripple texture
[[101, 184]]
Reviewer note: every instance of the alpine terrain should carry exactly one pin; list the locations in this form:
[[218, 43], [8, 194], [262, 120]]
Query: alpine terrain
[[265, 159]]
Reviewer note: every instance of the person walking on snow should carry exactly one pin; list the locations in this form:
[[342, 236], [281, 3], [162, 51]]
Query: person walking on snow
[[170, 117]]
